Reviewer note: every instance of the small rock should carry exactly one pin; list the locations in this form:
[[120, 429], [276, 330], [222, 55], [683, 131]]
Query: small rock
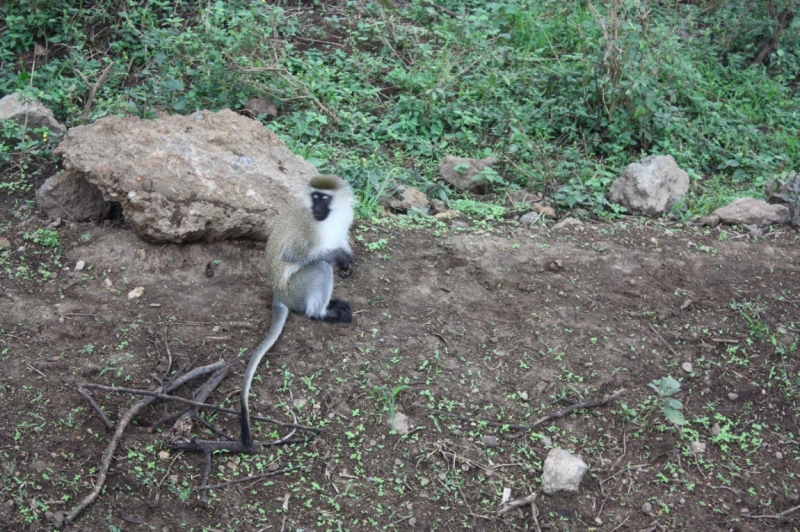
[[566, 223], [562, 472], [29, 112], [5, 243], [163, 455], [523, 396], [733, 396], [490, 441], [544, 210], [464, 173], [400, 423], [715, 429], [750, 211], [136, 292], [21, 249], [261, 106], [697, 447], [647, 508], [108, 282], [779, 455], [412, 521], [547, 441], [529, 218], [406, 198], [687, 367], [652, 186], [712, 220], [300, 402], [141, 254], [80, 265]]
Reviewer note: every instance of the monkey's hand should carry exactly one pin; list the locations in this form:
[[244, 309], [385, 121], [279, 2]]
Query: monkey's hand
[[345, 265]]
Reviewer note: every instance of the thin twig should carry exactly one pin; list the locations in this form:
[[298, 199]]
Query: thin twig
[[102, 79], [248, 479], [109, 425], [561, 413], [776, 516], [663, 341]]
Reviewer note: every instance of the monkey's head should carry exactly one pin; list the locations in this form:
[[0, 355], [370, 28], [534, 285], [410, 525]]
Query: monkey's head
[[326, 193]]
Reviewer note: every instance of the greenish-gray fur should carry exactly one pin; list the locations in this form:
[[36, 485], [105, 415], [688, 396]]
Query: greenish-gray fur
[[299, 257]]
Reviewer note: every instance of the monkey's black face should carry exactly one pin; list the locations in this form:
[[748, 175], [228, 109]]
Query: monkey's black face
[[321, 205]]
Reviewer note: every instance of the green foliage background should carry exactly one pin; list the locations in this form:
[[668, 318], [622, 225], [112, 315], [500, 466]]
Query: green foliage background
[[564, 94]]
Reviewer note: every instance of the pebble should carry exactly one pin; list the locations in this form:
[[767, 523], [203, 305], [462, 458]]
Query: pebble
[[490, 441], [779, 455], [687, 367], [733, 396], [715, 429], [136, 292], [80, 265], [523, 396], [647, 508]]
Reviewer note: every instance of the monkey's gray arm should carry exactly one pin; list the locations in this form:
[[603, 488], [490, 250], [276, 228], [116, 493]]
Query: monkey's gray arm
[[341, 257]]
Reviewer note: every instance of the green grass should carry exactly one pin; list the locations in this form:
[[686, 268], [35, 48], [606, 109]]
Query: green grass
[[374, 92]]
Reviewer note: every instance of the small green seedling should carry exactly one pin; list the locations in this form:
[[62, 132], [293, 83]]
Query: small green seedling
[[671, 408]]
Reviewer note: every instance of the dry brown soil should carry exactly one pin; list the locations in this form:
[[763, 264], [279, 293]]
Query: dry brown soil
[[497, 324]]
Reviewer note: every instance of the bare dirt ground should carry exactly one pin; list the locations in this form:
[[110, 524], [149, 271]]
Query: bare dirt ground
[[496, 325]]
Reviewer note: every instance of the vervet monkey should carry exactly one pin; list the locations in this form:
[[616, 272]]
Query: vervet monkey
[[307, 239]]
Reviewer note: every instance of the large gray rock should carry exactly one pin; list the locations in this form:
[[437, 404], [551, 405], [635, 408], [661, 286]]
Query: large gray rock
[[68, 195], [30, 113], [460, 171], [207, 176], [749, 211], [651, 186], [562, 472]]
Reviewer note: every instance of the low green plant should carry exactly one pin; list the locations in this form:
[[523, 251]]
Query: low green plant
[[387, 398], [484, 211], [665, 388], [44, 237]]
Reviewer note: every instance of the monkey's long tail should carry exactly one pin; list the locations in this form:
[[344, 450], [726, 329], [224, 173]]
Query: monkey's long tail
[[280, 313]]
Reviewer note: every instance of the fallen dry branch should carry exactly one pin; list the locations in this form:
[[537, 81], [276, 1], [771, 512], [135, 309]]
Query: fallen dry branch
[[120, 430], [560, 413], [179, 436]]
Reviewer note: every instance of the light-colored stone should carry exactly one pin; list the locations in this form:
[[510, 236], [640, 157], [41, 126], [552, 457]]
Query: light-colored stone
[[80, 265], [651, 186], [562, 472], [566, 223], [687, 367], [490, 441], [545, 210], [529, 218], [5, 243], [68, 195], [260, 106], [30, 113], [400, 423], [460, 171], [750, 211], [697, 447], [136, 293], [406, 198], [202, 177]]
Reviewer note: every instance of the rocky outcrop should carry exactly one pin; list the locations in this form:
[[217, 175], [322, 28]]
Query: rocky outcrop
[[202, 177]]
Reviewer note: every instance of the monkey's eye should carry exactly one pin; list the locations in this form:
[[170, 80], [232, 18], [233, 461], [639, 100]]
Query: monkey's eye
[[316, 196]]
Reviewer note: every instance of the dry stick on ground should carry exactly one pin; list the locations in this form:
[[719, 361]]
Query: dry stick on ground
[[776, 516], [561, 413], [102, 79], [165, 397], [663, 341], [121, 426]]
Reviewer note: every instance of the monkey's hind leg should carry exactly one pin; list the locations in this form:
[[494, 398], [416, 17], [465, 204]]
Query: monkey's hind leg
[[311, 288]]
